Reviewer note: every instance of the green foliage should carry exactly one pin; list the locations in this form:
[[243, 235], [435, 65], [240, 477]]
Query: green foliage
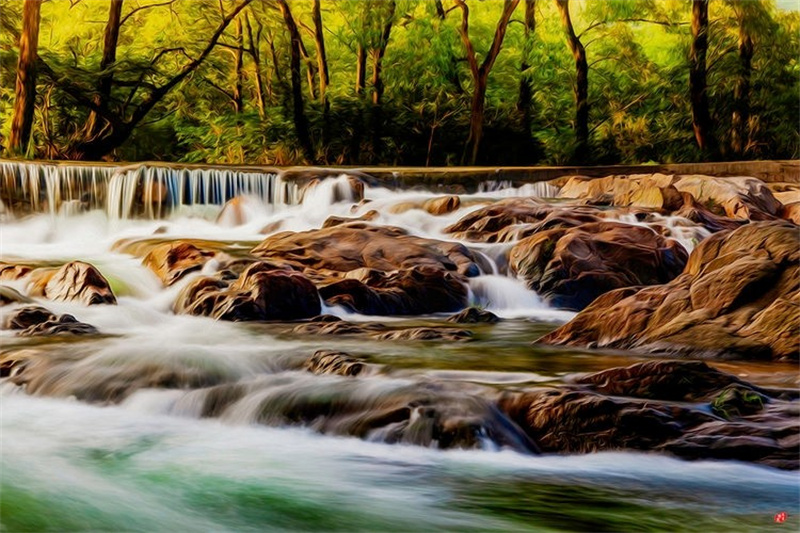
[[638, 81]]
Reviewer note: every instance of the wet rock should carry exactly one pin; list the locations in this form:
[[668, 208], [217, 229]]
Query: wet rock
[[332, 362], [73, 282], [736, 197], [63, 325], [435, 206], [414, 291], [754, 426], [661, 380], [791, 212], [696, 212], [12, 271], [262, 292], [739, 296], [571, 267], [473, 315], [353, 246], [426, 334], [377, 270], [487, 224], [331, 325], [173, 260], [37, 321], [334, 220], [25, 317], [9, 295]]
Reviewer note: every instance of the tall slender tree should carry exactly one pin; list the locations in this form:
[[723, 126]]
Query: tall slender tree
[[525, 99], [298, 105], [480, 73], [25, 91], [698, 90], [95, 123], [582, 148]]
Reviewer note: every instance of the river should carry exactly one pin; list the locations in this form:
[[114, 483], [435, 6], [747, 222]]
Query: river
[[154, 459]]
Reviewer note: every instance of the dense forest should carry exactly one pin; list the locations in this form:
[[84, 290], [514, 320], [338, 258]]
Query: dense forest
[[399, 82]]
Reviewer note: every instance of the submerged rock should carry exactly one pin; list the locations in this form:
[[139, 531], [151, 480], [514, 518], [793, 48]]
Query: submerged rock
[[473, 315], [426, 334], [571, 267], [739, 295], [262, 292], [331, 362], [9, 295], [35, 320]]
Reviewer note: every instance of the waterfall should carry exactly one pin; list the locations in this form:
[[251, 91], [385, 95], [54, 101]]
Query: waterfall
[[37, 187], [128, 192], [150, 190], [505, 188]]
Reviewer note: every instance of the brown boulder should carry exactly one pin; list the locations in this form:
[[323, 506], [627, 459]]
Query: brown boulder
[[38, 321], [262, 292], [349, 247], [739, 295], [172, 260], [646, 409], [12, 271], [571, 267], [75, 282], [413, 291], [737, 197], [791, 212], [440, 205]]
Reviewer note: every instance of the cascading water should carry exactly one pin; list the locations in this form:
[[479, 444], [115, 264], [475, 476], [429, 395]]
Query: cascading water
[[211, 425], [155, 189], [51, 188]]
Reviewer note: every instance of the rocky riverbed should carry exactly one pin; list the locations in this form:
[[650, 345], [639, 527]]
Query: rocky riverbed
[[650, 314]]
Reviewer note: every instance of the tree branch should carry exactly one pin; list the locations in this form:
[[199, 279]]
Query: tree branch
[[142, 8]]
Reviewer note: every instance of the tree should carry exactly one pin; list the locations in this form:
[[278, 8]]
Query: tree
[[95, 123], [480, 73], [298, 106], [525, 99], [121, 121], [25, 94], [581, 84], [698, 91]]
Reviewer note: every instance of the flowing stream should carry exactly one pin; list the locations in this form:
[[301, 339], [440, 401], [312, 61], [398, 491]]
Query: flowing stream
[[208, 429]]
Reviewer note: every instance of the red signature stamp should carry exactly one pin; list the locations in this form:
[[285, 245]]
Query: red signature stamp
[[780, 518]]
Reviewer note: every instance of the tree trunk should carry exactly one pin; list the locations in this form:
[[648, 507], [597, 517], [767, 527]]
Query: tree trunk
[[377, 56], [581, 85], [25, 92], [300, 120], [361, 69], [319, 41], [701, 118], [480, 74], [741, 93], [476, 118], [95, 124], [525, 100], [255, 54], [238, 69]]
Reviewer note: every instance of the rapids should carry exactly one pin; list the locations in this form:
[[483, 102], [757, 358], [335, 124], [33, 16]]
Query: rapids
[[172, 422]]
